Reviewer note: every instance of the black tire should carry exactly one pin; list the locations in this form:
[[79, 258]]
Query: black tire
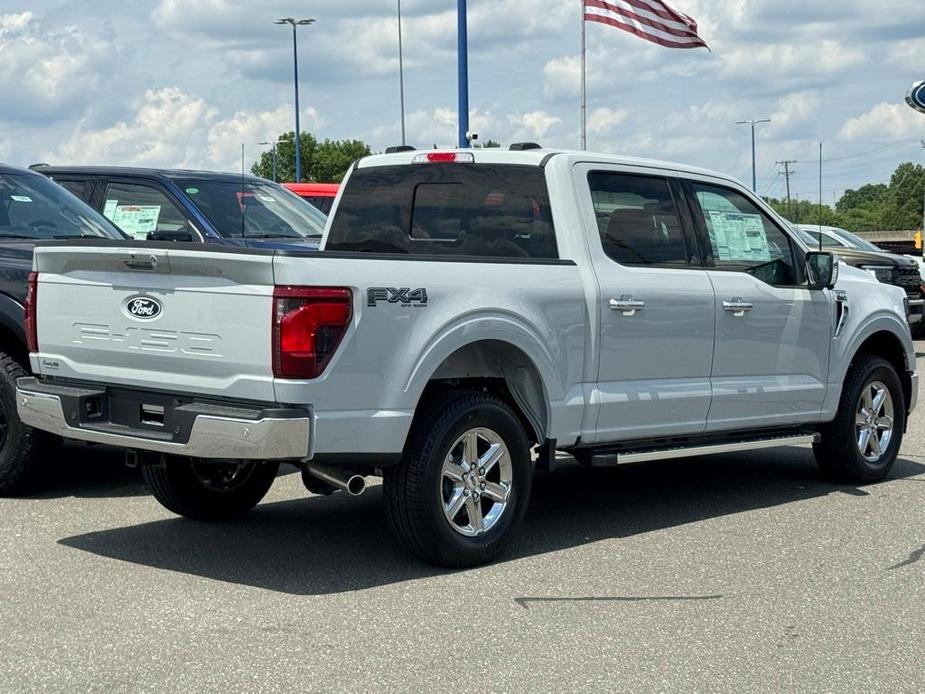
[[838, 454], [180, 487], [413, 490], [18, 449]]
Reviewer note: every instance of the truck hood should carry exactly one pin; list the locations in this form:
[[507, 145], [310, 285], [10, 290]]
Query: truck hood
[[857, 257]]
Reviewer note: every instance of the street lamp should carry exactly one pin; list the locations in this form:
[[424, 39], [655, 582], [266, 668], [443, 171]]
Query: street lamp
[[295, 63], [273, 154], [753, 123]]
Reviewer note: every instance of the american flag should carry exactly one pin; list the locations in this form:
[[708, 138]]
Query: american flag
[[652, 20]]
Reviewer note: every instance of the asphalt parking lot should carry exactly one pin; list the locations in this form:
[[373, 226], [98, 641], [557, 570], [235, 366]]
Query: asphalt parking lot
[[734, 573]]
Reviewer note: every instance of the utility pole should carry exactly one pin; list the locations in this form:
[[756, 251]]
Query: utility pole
[[753, 123], [787, 173]]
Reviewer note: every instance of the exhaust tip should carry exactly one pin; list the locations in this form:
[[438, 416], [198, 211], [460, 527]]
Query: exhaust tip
[[356, 485]]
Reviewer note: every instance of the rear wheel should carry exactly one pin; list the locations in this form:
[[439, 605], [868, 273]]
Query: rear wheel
[[18, 449], [862, 443], [462, 487], [210, 490]]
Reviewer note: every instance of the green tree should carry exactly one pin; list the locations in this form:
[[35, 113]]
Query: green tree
[[804, 212], [902, 208], [322, 162]]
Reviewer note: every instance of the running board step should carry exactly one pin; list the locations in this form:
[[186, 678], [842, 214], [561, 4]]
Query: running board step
[[611, 458]]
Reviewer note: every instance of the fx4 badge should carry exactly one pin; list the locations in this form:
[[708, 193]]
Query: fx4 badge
[[405, 296]]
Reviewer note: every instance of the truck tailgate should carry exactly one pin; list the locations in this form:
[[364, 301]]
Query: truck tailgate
[[177, 320]]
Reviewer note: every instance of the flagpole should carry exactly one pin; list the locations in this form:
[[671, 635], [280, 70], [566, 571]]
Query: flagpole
[[584, 84]]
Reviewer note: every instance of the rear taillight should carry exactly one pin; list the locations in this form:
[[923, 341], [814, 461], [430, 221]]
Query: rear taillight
[[29, 322], [308, 325]]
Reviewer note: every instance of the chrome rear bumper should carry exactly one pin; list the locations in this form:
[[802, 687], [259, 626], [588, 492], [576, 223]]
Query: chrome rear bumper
[[207, 431]]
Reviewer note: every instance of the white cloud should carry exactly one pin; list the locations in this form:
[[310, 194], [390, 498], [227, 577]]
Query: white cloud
[[438, 126], [43, 73], [174, 129], [884, 122], [603, 121], [533, 125], [795, 113], [907, 54], [789, 60]]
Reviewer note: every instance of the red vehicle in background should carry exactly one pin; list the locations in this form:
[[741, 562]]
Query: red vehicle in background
[[321, 195]]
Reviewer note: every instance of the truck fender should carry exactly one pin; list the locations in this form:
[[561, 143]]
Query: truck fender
[[844, 352], [498, 329]]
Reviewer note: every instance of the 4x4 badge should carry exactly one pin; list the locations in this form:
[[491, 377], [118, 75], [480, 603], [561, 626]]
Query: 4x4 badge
[[405, 296]]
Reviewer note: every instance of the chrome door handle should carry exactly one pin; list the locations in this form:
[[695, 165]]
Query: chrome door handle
[[737, 307], [627, 305]]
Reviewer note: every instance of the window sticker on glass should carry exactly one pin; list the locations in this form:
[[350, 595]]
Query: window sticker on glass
[[20, 198], [738, 236], [109, 209], [136, 220]]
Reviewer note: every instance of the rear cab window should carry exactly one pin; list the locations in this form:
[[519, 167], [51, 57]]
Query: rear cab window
[[480, 210]]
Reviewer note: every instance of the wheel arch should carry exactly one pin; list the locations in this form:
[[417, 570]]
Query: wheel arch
[[517, 371], [888, 345]]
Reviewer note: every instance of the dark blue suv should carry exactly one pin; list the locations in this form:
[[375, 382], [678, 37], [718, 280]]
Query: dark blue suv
[[197, 206]]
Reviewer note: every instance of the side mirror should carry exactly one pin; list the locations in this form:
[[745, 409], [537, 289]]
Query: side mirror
[[822, 268]]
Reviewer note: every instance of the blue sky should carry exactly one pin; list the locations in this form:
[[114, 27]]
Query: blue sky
[[185, 82]]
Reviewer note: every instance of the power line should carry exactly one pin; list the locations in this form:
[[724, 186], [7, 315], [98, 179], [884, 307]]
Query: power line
[[787, 173]]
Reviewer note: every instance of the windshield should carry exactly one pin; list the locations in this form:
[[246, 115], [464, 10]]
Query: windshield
[[254, 210], [33, 207], [856, 241], [813, 237]]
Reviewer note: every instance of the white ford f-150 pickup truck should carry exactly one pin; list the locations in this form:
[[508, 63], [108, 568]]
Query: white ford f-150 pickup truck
[[470, 314]]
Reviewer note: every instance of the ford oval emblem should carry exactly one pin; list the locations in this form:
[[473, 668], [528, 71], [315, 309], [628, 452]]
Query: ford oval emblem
[[916, 96], [143, 307]]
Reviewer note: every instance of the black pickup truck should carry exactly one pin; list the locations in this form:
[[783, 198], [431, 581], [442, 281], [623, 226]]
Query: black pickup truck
[[32, 209]]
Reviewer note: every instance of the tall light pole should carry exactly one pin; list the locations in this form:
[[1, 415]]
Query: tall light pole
[[753, 123], [401, 76], [296, 23], [273, 155], [462, 37]]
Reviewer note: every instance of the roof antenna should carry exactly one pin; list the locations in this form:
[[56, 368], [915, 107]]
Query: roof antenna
[[241, 201]]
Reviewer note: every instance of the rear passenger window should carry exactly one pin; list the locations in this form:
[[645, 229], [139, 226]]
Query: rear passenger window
[[481, 210], [140, 210], [637, 220], [78, 188]]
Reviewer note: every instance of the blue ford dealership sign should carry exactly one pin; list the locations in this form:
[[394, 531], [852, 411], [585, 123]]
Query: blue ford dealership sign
[[916, 96]]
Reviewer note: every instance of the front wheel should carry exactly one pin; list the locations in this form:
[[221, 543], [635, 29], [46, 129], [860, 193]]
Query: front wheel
[[861, 444], [209, 490], [462, 487]]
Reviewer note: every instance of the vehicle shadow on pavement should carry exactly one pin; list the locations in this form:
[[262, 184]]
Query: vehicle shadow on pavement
[[325, 545], [76, 470]]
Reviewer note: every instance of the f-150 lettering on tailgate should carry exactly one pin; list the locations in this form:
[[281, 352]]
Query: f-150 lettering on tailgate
[[151, 339]]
